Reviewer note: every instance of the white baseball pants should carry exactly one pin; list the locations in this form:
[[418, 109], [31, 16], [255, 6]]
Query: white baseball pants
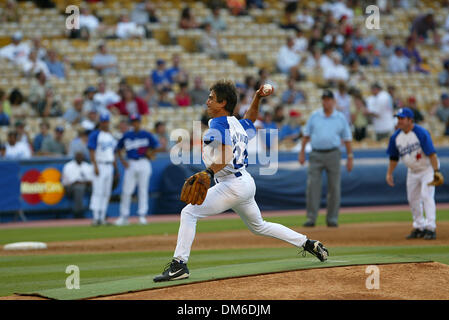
[[101, 190], [421, 196], [235, 193], [138, 173]]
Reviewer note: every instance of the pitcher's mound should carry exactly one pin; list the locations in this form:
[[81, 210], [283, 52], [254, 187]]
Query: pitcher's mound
[[418, 281]]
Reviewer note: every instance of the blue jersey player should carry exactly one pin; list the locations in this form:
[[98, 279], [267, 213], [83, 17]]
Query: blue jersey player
[[140, 147]]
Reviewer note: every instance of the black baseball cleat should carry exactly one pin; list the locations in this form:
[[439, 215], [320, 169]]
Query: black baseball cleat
[[416, 233], [309, 224], [430, 235], [175, 270], [317, 249]]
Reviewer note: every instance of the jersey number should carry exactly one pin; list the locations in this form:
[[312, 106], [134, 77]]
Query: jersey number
[[240, 158]]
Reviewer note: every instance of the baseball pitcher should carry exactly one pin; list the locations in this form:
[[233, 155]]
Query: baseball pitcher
[[225, 154], [140, 147], [413, 145], [101, 145]]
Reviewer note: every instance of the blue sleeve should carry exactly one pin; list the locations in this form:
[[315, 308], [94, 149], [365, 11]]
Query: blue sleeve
[[249, 127], [392, 150], [218, 131], [424, 139], [92, 141]]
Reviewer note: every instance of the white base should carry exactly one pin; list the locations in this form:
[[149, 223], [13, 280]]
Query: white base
[[27, 245]]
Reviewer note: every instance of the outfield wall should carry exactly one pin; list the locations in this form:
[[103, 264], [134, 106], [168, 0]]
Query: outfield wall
[[33, 186]]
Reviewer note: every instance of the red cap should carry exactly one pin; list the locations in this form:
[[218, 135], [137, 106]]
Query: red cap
[[359, 49], [294, 113], [411, 99]]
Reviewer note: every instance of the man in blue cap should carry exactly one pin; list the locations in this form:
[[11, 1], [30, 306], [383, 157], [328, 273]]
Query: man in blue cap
[[140, 146], [101, 145], [413, 145]]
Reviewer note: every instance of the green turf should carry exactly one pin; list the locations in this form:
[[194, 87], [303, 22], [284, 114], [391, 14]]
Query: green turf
[[50, 234], [128, 271]]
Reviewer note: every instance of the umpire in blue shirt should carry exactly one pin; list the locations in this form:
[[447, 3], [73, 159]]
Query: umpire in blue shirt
[[325, 129]]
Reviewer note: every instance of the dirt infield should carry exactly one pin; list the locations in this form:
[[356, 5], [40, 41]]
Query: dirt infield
[[339, 283]]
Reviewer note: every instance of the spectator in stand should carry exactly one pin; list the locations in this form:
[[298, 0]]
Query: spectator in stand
[[89, 103], [103, 96], [316, 39], [217, 23], [22, 134], [14, 149], [183, 98], [411, 104], [77, 177], [130, 104], [198, 93], [411, 52], [236, 7], [343, 101], [10, 12], [103, 62], [288, 19], [359, 116], [165, 98], [91, 121], [293, 95], [361, 56], [89, 25], [386, 47], [160, 77], [441, 111], [373, 56], [380, 106], [17, 51], [278, 116], [291, 131], [44, 128], [33, 65], [149, 93], [288, 60], [54, 146], [269, 125], [335, 72], [209, 43], [79, 144], [176, 73], [356, 75], [43, 98], [398, 63], [160, 131], [347, 52], [74, 114], [55, 66], [187, 19], [144, 12], [443, 76], [397, 101], [4, 103], [127, 29], [39, 48], [423, 25], [305, 19], [19, 108], [301, 42]]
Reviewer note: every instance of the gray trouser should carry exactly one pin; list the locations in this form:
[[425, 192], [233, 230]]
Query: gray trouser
[[329, 162], [76, 192]]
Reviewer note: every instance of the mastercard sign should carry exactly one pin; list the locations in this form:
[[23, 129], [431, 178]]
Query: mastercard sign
[[45, 186]]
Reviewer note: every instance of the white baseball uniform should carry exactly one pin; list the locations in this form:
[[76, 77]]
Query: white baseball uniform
[[413, 148], [139, 170], [104, 144], [235, 188]]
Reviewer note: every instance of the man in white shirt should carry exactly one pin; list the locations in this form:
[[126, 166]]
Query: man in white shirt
[[343, 101], [128, 29], [15, 150], [398, 62], [104, 97], [88, 20], [380, 106], [104, 62], [32, 65], [287, 59], [77, 178], [17, 51], [335, 72]]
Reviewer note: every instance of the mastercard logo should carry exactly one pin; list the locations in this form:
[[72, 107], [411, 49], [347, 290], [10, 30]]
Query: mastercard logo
[[45, 186]]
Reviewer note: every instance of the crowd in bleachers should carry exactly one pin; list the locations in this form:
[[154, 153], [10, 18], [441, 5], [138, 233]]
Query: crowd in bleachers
[[325, 46]]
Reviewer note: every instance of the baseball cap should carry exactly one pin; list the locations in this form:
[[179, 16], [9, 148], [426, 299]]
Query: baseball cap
[[59, 129], [90, 89], [444, 96], [327, 94], [160, 61], [404, 113], [294, 113], [104, 117], [134, 117]]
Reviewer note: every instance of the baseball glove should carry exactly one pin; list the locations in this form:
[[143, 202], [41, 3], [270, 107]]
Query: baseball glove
[[194, 190], [438, 179]]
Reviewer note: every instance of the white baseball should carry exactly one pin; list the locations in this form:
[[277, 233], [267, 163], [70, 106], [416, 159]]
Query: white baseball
[[267, 88]]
